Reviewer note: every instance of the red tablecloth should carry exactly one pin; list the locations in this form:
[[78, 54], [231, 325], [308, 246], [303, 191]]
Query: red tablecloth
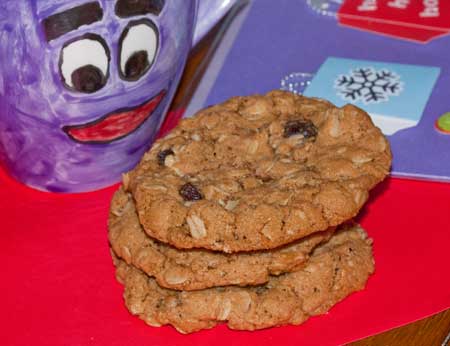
[[58, 285]]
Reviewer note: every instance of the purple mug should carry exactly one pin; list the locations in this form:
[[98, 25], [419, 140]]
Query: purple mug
[[85, 84]]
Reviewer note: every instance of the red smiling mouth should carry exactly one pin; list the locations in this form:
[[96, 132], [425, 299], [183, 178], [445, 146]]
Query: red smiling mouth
[[115, 125]]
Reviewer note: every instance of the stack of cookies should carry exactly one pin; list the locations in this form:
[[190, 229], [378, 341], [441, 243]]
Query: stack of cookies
[[242, 214]]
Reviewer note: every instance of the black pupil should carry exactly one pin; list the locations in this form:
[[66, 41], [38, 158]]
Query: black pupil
[[136, 65], [88, 79]]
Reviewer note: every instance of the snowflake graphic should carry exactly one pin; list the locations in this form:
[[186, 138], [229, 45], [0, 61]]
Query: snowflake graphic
[[368, 85]]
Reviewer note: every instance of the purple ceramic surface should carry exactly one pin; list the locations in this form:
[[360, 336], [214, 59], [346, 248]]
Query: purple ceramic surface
[[82, 95]]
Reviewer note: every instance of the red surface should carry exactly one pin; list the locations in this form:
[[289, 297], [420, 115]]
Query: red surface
[[58, 285], [393, 30], [430, 14], [407, 23]]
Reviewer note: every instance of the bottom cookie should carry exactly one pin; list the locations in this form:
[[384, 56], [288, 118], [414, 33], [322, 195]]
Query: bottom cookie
[[335, 269]]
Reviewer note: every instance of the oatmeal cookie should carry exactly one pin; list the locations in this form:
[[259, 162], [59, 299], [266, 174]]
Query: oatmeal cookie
[[194, 269], [258, 172], [335, 269]]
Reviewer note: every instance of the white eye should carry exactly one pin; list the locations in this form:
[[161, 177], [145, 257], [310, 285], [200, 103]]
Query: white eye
[[84, 64], [139, 43]]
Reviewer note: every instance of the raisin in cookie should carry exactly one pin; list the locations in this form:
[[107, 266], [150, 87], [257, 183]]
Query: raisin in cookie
[[334, 270], [198, 268], [258, 172]]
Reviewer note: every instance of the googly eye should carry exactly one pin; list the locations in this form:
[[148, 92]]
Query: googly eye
[[84, 64], [138, 48]]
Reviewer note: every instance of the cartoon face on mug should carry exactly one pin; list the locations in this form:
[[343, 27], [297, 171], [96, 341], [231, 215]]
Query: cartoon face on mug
[[85, 84], [84, 62]]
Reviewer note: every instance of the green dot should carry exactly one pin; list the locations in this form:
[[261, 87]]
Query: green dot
[[443, 122]]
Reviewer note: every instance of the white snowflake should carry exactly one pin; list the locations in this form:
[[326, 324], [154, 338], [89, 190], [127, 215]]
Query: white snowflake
[[368, 85]]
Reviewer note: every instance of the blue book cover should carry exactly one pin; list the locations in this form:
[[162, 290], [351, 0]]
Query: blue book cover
[[403, 85]]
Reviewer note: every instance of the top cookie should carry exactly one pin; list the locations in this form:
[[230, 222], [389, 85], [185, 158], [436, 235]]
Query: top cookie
[[258, 172]]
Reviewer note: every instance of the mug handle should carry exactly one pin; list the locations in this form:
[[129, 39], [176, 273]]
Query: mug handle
[[209, 12]]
